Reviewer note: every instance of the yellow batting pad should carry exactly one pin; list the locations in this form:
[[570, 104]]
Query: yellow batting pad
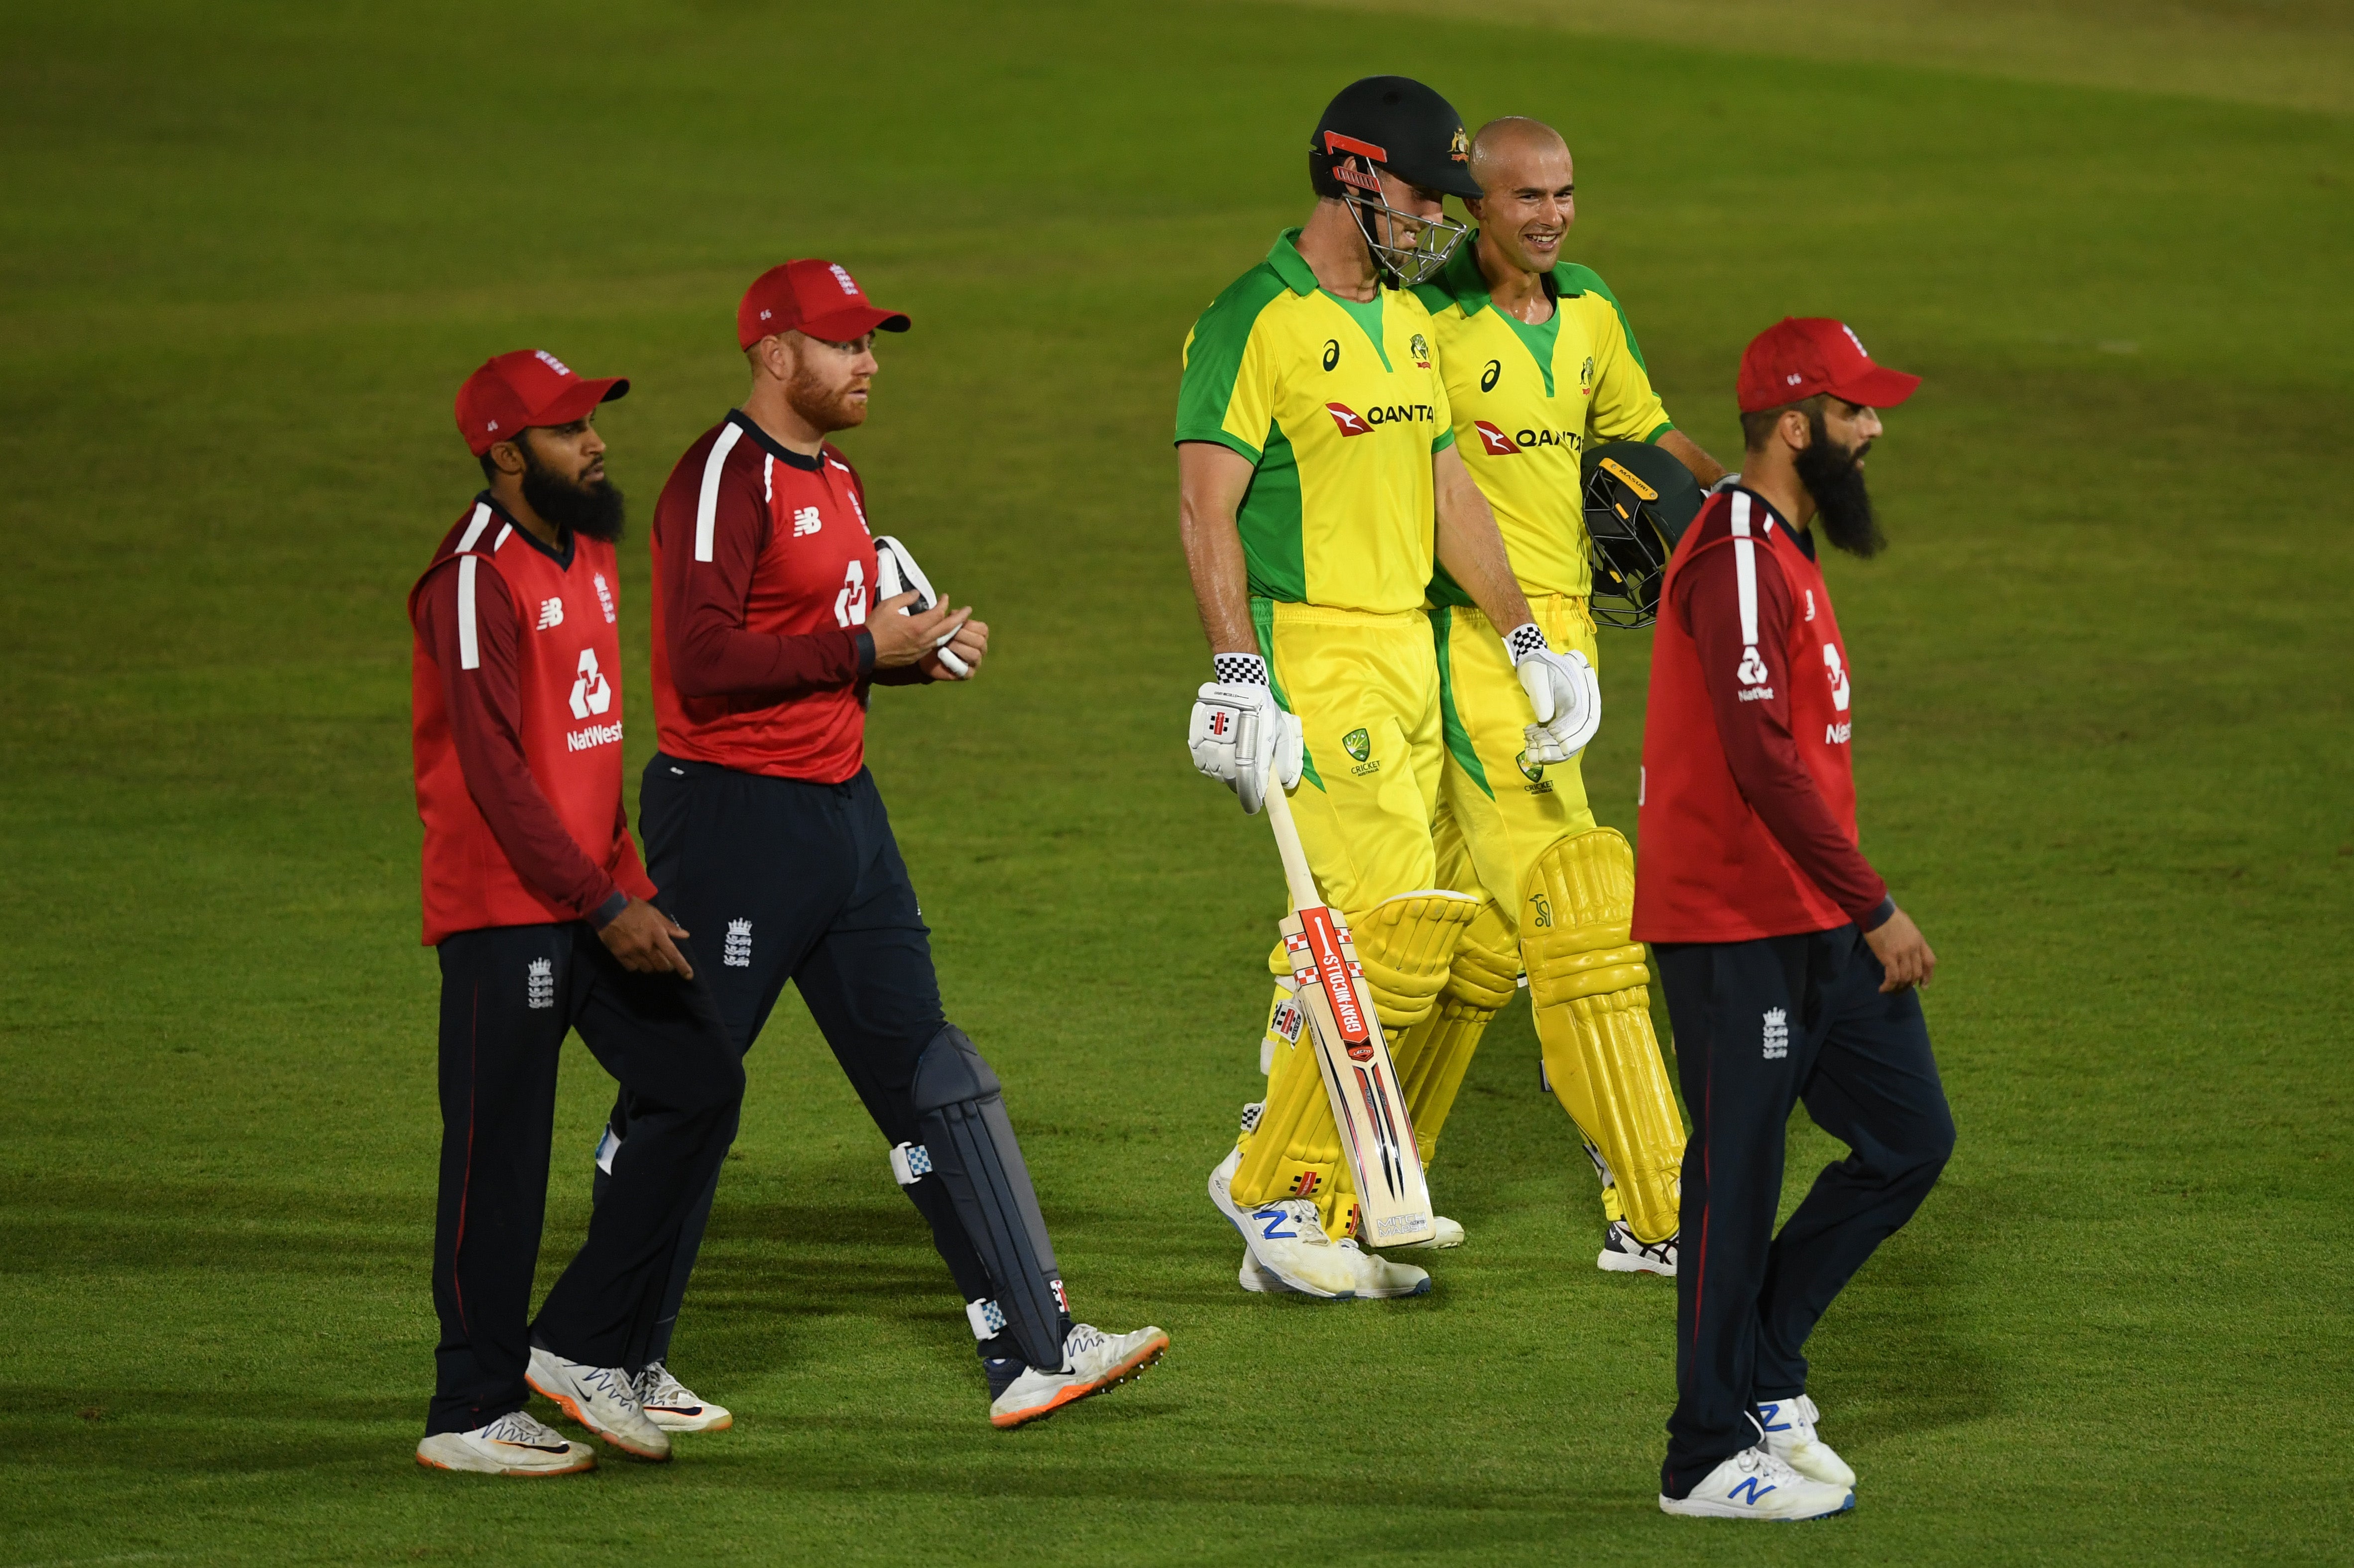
[[1433, 1056], [1591, 993]]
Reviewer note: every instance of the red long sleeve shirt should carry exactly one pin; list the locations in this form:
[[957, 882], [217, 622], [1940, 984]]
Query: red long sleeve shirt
[[483, 704]]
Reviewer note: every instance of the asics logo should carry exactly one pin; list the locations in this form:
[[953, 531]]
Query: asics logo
[[1269, 1220]]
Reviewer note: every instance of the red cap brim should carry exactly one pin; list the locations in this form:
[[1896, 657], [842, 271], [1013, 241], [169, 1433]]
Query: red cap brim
[[1878, 387], [578, 398], [850, 322]]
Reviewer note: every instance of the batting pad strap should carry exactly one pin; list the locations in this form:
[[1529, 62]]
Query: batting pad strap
[[987, 1317], [911, 1163]]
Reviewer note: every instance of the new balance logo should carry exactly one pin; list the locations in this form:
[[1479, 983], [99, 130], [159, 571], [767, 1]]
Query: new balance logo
[[1777, 1034], [539, 984], [1751, 1491], [735, 952], [1271, 1225], [805, 522], [551, 613]]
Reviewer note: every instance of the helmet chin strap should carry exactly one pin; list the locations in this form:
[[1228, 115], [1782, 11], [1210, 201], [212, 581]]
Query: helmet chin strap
[[1403, 265]]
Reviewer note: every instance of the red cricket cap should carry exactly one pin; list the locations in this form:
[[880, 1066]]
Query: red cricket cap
[[1798, 357], [819, 298], [508, 394]]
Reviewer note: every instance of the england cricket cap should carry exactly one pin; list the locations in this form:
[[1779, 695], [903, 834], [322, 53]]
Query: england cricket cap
[[1800, 355], [508, 394], [820, 299]]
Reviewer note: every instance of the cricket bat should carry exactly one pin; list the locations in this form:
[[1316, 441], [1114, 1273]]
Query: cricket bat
[[1393, 1200]]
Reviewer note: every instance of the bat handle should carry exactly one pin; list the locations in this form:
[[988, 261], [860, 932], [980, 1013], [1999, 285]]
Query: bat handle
[[1287, 843]]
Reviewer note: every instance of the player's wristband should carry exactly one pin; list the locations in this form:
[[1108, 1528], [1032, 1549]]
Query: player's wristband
[[1239, 669], [605, 914], [1879, 916], [1524, 641]]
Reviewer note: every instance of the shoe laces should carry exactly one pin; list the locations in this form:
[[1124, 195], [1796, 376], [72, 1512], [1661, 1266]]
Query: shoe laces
[[610, 1382], [520, 1426], [656, 1386], [1762, 1461]]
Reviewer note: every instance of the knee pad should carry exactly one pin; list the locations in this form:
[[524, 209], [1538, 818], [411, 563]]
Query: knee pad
[[1590, 990], [968, 1146], [1434, 1054]]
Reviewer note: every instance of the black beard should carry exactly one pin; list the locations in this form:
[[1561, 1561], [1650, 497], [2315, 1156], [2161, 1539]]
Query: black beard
[[591, 509], [1833, 475]]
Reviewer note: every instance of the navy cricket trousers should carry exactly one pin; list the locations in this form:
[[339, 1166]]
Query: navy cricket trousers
[[509, 994], [1759, 1027], [782, 879]]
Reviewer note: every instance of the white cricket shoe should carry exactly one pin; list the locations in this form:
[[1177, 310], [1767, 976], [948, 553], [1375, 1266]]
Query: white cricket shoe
[[1622, 1254], [1287, 1239], [1092, 1362], [674, 1407], [1753, 1484], [603, 1399], [1376, 1275], [513, 1444], [1789, 1427]]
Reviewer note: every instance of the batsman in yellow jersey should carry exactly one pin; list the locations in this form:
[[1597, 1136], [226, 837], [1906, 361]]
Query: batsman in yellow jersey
[[1541, 366], [1321, 487]]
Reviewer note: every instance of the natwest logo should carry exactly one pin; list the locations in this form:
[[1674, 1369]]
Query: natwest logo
[[1351, 422], [1497, 443]]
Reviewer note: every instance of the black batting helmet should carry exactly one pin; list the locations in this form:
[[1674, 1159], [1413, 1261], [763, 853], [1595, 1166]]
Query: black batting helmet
[[1638, 501], [1396, 123]]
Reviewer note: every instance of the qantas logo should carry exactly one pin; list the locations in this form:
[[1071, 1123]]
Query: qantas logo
[[1351, 423], [1497, 443]]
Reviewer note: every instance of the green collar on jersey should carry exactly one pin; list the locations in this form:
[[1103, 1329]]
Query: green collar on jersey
[[1289, 264]]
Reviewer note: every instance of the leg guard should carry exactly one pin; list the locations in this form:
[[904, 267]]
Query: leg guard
[[1433, 1055], [1591, 993], [1406, 946], [968, 1146]]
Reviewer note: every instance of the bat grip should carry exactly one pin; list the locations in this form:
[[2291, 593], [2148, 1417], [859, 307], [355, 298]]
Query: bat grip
[[1287, 843]]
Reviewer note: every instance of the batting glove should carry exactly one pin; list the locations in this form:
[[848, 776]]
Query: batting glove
[[1561, 691], [1240, 736]]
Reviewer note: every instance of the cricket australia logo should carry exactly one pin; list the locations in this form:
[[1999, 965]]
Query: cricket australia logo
[[735, 952], [1538, 784], [551, 613], [539, 984], [592, 692], [1777, 1034], [1357, 744], [1585, 377], [1421, 351]]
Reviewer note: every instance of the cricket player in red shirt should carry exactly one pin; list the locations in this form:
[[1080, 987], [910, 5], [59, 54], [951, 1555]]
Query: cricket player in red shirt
[[1790, 972], [775, 612], [538, 905]]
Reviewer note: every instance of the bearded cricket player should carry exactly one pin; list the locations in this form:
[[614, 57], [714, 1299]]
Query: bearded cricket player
[[1541, 364], [1320, 484]]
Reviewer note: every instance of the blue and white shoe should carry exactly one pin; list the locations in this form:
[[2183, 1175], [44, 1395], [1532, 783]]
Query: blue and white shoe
[[1790, 1436], [1286, 1239], [1753, 1484]]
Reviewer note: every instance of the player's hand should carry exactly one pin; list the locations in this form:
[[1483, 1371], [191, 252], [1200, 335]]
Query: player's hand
[[1566, 698], [640, 935], [1241, 737], [962, 656], [1903, 951], [903, 639]]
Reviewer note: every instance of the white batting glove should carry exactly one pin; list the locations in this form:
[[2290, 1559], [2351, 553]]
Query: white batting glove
[[896, 573], [1561, 691], [1240, 736]]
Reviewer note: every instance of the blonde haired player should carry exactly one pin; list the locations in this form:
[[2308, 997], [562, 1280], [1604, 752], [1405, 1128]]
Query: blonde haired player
[[1540, 363], [1319, 486]]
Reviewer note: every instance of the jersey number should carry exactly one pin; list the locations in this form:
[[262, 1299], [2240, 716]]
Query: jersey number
[[849, 604]]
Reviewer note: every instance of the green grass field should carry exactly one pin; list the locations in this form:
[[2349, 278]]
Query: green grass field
[[2103, 736]]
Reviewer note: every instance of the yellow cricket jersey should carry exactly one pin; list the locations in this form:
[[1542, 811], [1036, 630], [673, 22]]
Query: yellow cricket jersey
[[1526, 401], [1338, 407]]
